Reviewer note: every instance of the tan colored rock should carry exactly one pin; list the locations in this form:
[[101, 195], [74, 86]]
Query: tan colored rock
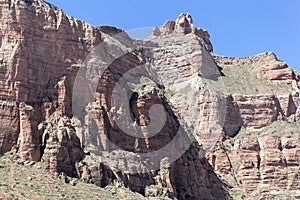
[[267, 57], [183, 26], [275, 71], [61, 147], [257, 111], [259, 162], [29, 137]]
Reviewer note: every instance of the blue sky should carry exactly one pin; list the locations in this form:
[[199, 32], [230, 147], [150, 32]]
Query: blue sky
[[237, 27]]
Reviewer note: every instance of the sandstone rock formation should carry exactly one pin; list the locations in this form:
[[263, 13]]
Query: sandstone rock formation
[[237, 118], [259, 160], [183, 26], [28, 140], [39, 45], [60, 146], [267, 101]]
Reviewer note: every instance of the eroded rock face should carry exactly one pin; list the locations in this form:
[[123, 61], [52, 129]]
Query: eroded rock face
[[29, 137], [185, 68], [258, 111], [259, 160], [275, 71], [183, 26], [181, 179], [42, 53], [60, 146], [39, 44], [255, 159]]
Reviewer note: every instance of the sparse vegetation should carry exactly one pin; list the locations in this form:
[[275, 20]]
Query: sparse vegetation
[[241, 79], [20, 181], [144, 82], [169, 93], [141, 86], [277, 128], [238, 195], [282, 128]]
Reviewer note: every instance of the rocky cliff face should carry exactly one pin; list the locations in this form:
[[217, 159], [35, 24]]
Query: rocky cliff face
[[39, 46], [265, 163], [259, 158], [164, 115]]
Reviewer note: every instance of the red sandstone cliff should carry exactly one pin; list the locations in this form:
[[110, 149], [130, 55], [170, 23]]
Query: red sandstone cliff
[[237, 117]]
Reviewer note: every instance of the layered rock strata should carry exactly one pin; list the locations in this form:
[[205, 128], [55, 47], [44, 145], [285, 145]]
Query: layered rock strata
[[238, 116]]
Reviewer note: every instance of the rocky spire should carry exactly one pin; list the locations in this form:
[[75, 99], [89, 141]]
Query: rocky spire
[[183, 25]]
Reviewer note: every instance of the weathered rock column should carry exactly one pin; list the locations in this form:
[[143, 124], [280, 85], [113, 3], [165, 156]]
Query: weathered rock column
[[28, 141]]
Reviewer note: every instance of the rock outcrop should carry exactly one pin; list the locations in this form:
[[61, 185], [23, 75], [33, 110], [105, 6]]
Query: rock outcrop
[[39, 45], [29, 139], [163, 115], [259, 160], [183, 26], [265, 101], [61, 148]]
